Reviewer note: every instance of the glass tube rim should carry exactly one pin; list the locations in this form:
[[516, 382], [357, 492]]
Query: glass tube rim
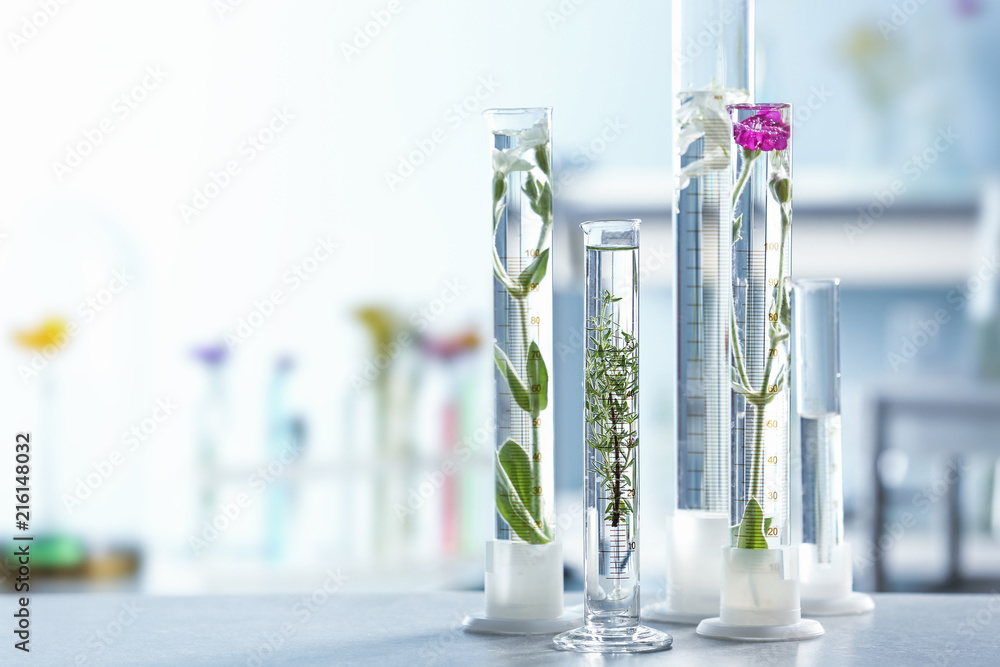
[[759, 106], [816, 282], [611, 224]]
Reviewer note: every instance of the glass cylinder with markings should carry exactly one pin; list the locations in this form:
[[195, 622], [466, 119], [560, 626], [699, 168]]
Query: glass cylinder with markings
[[825, 563], [760, 590], [713, 66], [524, 566], [611, 447], [760, 322]]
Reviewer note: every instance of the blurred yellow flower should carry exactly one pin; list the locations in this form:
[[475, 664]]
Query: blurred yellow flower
[[51, 333]]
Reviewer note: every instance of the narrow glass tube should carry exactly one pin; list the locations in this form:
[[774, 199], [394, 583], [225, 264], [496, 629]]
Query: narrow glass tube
[[524, 561], [760, 322], [713, 56], [611, 460], [760, 596], [816, 308]]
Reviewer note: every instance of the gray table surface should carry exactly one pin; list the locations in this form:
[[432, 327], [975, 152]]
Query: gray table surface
[[383, 630]]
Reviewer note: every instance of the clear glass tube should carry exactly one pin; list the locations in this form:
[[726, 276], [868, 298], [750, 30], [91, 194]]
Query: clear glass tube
[[611, 432], [816, 309], [524, 562], [760, 323], [712, 68], [713, 56]]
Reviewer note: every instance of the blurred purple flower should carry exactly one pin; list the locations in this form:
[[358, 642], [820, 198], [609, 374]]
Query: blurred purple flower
[[967, 7], [212, 355], [765, 132]]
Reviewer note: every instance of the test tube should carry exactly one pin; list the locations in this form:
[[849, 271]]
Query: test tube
[[524, 561], [611, 447], [713, 66], [760, 591], [825, 571]]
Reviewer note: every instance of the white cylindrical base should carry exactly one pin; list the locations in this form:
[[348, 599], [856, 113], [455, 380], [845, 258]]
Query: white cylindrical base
[[694, 567], [524, 590], [760, 598], [827, 587]]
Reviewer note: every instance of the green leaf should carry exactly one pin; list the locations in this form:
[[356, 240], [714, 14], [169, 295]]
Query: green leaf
[[737, 226], [521, 473], [535, 272], [517, 388], [499, 187], [509, 500], [751, 535], [538, 375], [542, 157]]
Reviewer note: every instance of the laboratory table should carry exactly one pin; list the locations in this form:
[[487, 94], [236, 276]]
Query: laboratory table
[[425, 629]]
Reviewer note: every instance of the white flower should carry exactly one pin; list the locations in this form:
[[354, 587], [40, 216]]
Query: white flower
[[510, 160], [507, 161], [703, 114], [536, 135]]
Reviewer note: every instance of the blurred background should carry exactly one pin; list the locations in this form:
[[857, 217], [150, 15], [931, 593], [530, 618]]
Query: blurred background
[[246, 290]]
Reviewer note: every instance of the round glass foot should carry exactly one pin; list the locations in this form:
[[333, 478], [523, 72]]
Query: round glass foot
[[618, 640]]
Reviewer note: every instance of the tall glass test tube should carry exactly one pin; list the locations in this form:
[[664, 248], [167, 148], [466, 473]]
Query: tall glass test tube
[[611, 459], [824, 557], [524, 565], [713, 66], [760, 589]]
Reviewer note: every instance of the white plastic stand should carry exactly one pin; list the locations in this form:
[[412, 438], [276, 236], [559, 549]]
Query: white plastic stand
[[827, 588], [524, 591], [760, 598], [694, 565]]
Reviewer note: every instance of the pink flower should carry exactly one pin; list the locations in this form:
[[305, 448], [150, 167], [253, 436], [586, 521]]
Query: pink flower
[[765, 132]]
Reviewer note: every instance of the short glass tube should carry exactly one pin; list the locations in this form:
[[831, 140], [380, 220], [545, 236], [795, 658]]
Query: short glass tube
[[816, 325], [611, 446], [760, 322]]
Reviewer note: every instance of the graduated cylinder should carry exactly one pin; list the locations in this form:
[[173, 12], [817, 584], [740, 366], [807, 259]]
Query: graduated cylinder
[[524, 561], [760, 588], [825, 564], [713, 56], [611, 447]]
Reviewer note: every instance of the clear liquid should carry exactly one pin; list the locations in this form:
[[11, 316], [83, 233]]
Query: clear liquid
[[611, 564], [822, 484], [516, 324], [701, 300]]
